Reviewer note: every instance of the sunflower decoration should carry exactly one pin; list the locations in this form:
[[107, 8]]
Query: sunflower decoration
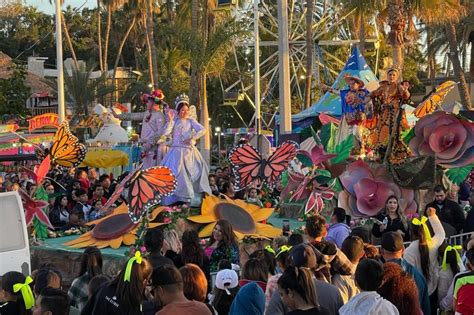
[[114, 230], [245, 218]]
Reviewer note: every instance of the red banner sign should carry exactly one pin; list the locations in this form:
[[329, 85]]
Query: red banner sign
[[45, 120]]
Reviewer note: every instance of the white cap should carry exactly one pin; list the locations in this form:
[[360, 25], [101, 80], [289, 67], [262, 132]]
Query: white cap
[[227, 279]]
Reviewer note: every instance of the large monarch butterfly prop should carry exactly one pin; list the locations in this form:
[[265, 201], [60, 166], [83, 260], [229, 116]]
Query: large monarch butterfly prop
[[66, 150], [145, 189], [251, 169], [434, 99]]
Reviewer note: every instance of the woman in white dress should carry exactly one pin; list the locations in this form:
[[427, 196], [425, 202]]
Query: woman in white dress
[[183, 158]]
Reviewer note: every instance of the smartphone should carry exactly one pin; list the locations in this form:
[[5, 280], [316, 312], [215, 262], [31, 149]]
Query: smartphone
[[286, 227]]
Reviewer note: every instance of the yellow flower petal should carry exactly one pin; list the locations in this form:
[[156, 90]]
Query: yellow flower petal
[[116, 242], [207, 230], [268, 230], [129, 239], [262, 214], [239, 235], [155, 224], [249, 207], [156, 212], [208, 203], [203, 218]]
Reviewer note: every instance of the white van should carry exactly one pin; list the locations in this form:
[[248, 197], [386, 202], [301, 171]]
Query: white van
[[14, 245]]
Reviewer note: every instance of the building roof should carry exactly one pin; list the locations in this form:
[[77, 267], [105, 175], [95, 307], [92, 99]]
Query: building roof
[[33, 81]]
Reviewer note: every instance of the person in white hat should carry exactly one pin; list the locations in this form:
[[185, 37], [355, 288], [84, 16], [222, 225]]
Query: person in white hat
[[225, 290]]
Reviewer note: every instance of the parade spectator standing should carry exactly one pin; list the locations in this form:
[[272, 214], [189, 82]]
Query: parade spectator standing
[[391, 219], [154, 243], [339, 230], [449, 211]]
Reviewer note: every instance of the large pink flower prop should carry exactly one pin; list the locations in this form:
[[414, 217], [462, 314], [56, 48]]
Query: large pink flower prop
[[367, 188], [449, 139], [34, 208]]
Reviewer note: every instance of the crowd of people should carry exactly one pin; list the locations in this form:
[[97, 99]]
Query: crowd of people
[[333, 268]]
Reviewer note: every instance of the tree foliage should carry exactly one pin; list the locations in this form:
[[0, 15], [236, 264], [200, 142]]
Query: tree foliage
[[14, 92]]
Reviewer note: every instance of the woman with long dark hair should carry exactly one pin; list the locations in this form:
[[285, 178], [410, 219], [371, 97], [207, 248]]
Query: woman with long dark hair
[[222, 245], [193, 253], [423, 250], [59, 214], [91, 266], [451, 264], [391, 219], [298, 291], [126, 293], [17, 296]]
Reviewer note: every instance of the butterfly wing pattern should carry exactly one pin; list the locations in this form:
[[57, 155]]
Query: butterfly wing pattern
[[251, 169], [434, 99], [147, 187], [66, 150]]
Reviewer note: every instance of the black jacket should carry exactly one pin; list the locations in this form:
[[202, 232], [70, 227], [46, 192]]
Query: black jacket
[[392, 226], [450, 213]]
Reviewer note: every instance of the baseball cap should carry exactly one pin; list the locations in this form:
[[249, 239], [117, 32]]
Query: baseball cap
[[303, 256], [392, 241], [227, 279]]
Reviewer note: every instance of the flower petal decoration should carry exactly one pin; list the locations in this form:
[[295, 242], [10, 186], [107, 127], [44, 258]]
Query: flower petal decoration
[[294, 181], [317, 155], [34, 208], [245, 218], [367, 188], [446, 137], [114, 230]]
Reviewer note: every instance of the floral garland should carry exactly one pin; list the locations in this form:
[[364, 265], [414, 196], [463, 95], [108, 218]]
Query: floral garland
[[171, 215]]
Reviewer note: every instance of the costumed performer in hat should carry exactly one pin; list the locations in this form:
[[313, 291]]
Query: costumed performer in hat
[[183, 158], [388, 99], [153, 141], [356, 106]]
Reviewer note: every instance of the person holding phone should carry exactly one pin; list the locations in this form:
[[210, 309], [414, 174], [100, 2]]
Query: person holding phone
[[391, 219]]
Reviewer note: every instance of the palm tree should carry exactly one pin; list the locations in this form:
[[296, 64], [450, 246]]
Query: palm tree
[[111, 6], [81, 90], [448, 13], [152, 52], [397, 23], [99, 36], [208, 58]]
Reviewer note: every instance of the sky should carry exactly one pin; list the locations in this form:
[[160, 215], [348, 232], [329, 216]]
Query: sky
[[45, 6]]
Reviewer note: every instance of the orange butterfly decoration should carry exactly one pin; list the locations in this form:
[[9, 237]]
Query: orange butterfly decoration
[[434, 99], [253, 170], [145, 189]]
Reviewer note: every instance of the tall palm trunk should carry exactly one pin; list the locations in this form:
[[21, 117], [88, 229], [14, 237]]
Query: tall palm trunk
[[99, 36], [151, 42], [119, 52], [362, 34], [458, 71], [397, 26], [431, 57], [193, 85], [309, 52], [148, 45], [68, 41], [206, 139], [107, 36], [471, 64]]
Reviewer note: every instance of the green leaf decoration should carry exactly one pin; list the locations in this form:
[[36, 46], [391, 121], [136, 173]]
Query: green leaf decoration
[[41, 231], [336, 185], [408, 135], [315, 135], [343, 150], [41, 193], [306, 160], [458, 175], [328, 137], [284, 178]]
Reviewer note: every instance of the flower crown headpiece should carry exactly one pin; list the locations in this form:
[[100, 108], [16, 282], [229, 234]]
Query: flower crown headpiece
[[183, 98]]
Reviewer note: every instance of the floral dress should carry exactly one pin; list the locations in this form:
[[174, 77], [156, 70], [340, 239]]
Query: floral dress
[[388, 99]]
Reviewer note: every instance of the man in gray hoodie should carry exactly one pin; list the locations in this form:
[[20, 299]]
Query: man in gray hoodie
[[368, 277]]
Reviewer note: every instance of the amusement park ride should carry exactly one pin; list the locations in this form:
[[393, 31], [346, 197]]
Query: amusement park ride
[[262, 78]]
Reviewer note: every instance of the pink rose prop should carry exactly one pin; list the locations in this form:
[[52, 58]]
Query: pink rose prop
[[367, 188], [449, 139]]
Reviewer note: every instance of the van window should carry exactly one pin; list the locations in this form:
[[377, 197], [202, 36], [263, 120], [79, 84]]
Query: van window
[[11, 233]]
